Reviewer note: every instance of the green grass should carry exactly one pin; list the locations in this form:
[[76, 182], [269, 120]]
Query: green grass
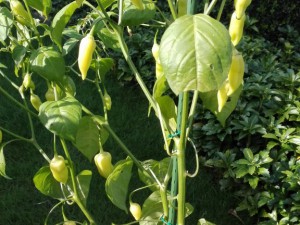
[[22, 204]]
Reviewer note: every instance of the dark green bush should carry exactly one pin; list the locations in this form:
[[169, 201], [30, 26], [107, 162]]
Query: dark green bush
[[257, 152]]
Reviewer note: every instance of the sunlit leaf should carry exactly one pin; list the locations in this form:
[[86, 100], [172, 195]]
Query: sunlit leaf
[[116, 185], [60, 20], [61, 117], [6, 21], [87, 137], [195, 53]]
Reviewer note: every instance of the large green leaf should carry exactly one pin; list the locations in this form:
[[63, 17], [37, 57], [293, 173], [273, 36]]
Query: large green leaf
[[6, 21], [60, 21], [159, 168], [48, 63], [195, 53], [210, 102], [87, 137], [116, 185], [46, 184], [132, 16], [44, 6], [61, 117]]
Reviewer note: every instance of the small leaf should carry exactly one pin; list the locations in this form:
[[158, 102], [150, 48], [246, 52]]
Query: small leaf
[[44, 6], [46, 184], [159, 168], [210, 102], [60, 20], [6, 22], [160, 86], [248, 154], [103, 65], [132, 16], [83, 184], [61, 117], [204, 61], [87, 137], [168, 110], [116, 185], [253, 182], [69, 45], [2, 161], [241, 171], [109, 39], [18, 54]]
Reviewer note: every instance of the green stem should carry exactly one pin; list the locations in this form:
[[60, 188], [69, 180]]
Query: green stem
[[14, 135], [221, 10], [182, 7], [164, 200], [192, 112], [172, 9], [210, 7], [73, 179], [181, 162]]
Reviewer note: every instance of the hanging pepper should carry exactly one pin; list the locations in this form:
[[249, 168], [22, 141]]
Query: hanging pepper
[[240, 7], [236, 27]]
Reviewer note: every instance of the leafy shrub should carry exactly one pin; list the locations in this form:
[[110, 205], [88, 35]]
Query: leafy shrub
[[257, 151]]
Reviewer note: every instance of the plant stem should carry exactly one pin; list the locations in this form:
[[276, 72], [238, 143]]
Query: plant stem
[[221, 10], [181, 161], [74, 184], [172, 9], [210, 7]]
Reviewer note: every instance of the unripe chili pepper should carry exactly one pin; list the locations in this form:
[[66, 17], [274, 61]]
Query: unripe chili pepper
[[222, 96], [59, 169], [27, 82], [236, 27], [107, 101], [236, 72], [103, 163], [138, 4], [240, 7], [1, 135], [20, 13], [135, 210], [49, 95], [35, 101], [86, 49]]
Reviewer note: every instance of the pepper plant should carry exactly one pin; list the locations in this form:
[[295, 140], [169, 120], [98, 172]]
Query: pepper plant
[[195, 57]]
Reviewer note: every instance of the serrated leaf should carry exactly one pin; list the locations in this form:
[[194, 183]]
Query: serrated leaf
[[248, 154], [60, 21], [6, 21], [87, 137], [253, 181], [46, 184], [116, 185], [241, 171], [61, 117], [195, 53]]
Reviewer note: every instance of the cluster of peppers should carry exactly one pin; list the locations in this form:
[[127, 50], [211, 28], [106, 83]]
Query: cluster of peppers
[[236, 72]]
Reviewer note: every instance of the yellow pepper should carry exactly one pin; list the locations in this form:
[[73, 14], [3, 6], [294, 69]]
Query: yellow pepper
[[35, 101], [59, 169], [236, 27], [240, 7], [86, 49], [103, 163], [222, 96], [135, 210], [20, 13], [236, 72]]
